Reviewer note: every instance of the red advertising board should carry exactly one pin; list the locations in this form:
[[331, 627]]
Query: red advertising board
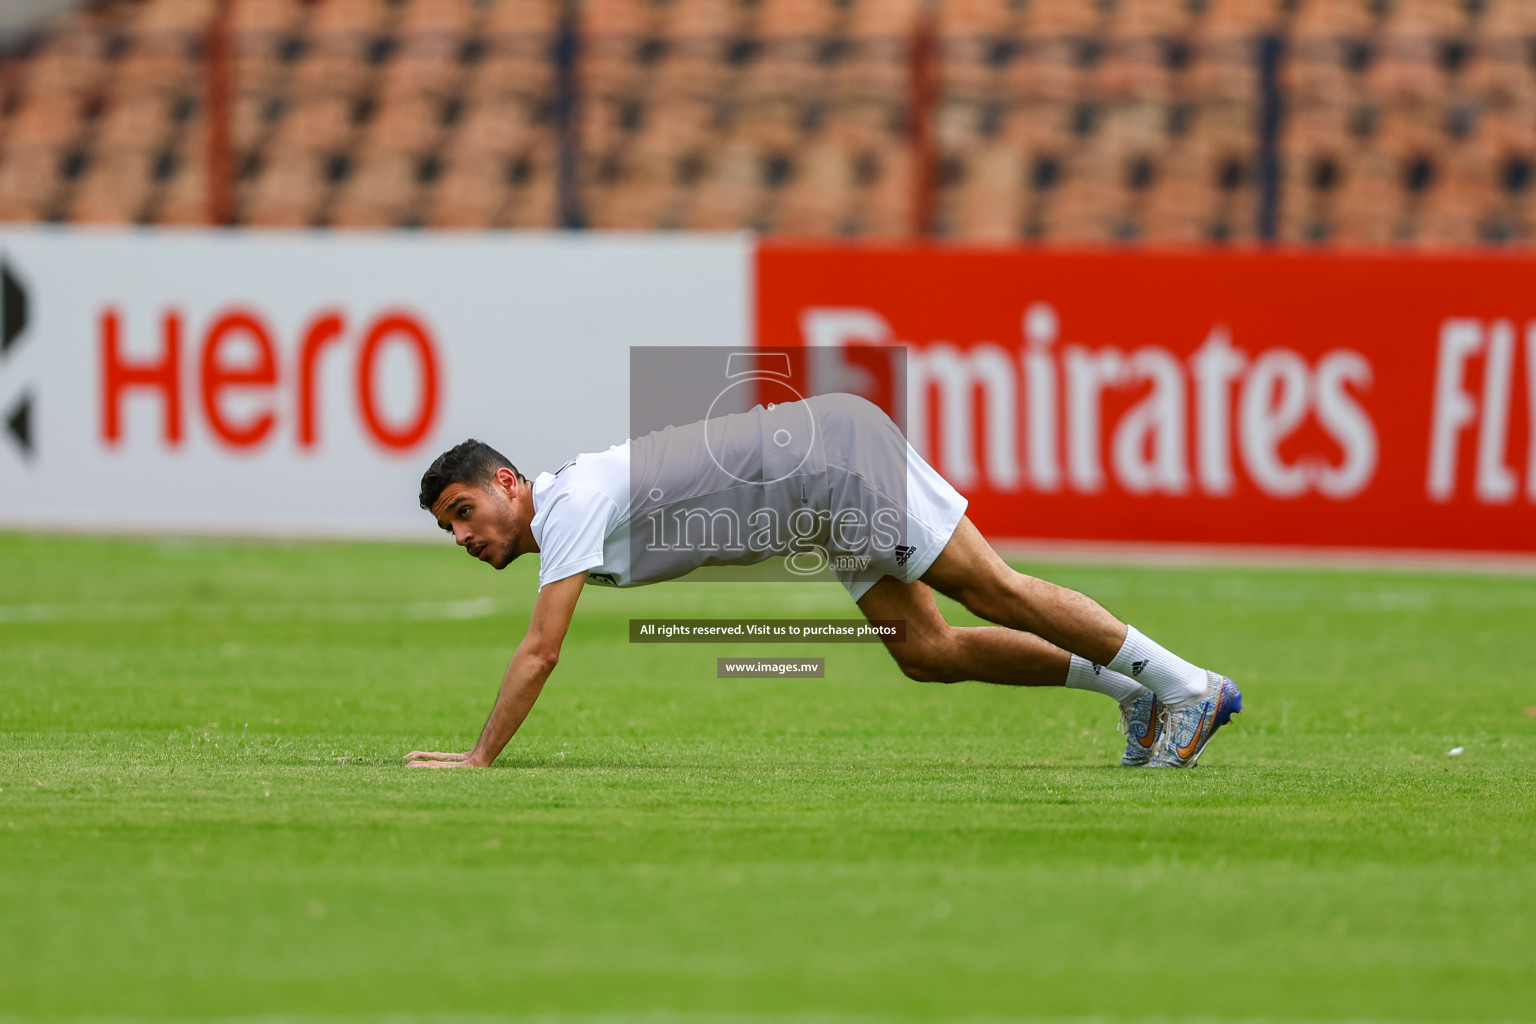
[[1269, 398]]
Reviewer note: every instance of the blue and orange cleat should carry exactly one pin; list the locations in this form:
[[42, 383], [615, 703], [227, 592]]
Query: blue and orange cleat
[[1139, 720], [1188, 727]]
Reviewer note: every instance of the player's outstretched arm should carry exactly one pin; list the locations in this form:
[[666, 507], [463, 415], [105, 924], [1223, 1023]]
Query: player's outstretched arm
[[531, 665]]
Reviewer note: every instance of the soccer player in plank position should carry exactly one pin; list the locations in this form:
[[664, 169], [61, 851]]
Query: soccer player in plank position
[[841, 475]]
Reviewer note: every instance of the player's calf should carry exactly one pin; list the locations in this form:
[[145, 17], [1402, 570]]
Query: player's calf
[[924, 661]]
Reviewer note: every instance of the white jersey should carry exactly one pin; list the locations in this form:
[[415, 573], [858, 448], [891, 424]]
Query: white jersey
[[819, 480], [581, 515]]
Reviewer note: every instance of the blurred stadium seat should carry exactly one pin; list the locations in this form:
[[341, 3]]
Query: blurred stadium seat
[[1405, 122]]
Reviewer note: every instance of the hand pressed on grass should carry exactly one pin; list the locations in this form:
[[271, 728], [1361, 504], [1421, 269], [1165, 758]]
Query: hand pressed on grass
[[440, 759]]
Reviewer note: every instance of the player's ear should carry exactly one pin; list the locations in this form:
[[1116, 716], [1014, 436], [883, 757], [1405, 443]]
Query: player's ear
[[506, 480]]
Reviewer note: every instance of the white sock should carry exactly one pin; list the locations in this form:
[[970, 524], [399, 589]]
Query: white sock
[[1173, 679], [1085, 675]]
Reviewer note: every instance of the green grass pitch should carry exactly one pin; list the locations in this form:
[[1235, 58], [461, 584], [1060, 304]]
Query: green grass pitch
[[202, 813]]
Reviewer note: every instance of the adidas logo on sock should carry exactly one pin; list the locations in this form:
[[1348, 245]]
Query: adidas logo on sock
[[1137, 666]]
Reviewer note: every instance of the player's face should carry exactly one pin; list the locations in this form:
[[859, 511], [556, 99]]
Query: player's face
[[483, 520]]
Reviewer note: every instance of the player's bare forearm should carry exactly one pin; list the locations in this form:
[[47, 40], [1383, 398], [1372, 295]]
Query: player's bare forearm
[[520, 687], [521, 684]]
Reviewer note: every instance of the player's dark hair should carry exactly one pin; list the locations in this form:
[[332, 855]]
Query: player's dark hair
[[468, 462]]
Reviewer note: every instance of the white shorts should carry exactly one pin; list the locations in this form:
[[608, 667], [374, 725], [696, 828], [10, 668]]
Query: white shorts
[[863, 447], [808, 462]]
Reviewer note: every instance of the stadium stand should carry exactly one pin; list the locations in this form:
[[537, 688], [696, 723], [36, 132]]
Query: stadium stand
[[1396, 122]]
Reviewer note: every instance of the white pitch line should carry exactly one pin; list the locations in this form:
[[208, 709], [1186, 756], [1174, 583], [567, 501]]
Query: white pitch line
[[1179, 555], [420, 611]]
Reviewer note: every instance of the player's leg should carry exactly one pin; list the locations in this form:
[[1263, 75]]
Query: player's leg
[[943, 549], [869, 460], [1198, 701], [971, 572], [936, 652]]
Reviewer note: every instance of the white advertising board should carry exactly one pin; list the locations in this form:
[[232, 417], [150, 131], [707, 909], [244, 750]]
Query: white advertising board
[[299, 383]]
